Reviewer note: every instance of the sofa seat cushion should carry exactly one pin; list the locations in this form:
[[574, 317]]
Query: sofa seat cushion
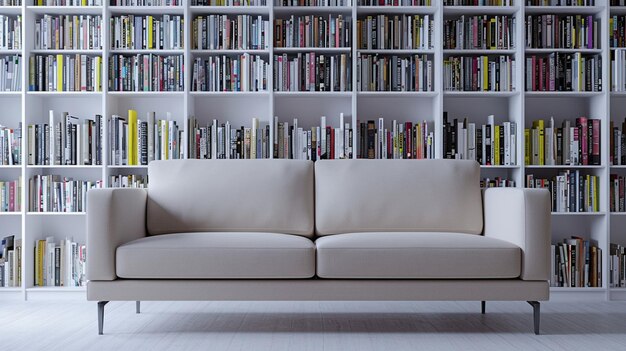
[[411, 255], [217, 255]]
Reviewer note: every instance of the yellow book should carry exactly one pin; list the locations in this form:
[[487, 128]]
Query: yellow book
[[149, 20], [485, 73], [539, 125], [596, 200], [132, 138], [490, 34], [98, 86], [164, 139], [59, 72], [496, 146], [526, 146], [41, 245]]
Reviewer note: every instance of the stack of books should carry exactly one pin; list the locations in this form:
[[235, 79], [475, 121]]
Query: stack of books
[[60, 264]]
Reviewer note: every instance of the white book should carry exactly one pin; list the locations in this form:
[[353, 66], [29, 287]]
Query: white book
[[214, 140], [341, 139], [471, 141], [295, 144], [151, 118], [323, 136], [491, 122], [507, 143], [513, 144], [52, 137]]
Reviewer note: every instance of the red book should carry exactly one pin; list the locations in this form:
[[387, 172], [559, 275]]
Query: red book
[[408, 139], [332, 144], [11, 196], [594, 158]]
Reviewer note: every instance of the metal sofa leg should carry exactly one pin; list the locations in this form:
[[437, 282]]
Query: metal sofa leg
[[138, 307], [483, 306], [536, 314], [101, 316]]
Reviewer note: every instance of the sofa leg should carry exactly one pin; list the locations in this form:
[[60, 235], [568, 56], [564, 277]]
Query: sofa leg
[[483, 306], [137, 307], [101, 316], [536, 314]]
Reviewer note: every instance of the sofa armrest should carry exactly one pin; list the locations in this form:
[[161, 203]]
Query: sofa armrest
[[114, 217], [522, 217]]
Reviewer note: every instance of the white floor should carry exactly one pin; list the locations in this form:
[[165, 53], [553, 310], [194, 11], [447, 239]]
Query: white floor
[[389, 326]]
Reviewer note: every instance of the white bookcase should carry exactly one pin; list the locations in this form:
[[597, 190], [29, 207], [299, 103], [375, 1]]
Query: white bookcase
[[240, 107]]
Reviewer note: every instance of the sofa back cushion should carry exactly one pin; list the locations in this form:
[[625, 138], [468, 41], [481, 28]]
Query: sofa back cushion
[[397, 195], [231, 196]]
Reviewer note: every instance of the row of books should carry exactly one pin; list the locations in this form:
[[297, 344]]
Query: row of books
[[490, 144], [225, 141], [576, 263], [55, 193], [10, 262], [574, 143], [225, 73], [60, 263], [66, 140], [228, 2], [479, 73], [145, 2], [400, 140], [128, 181], [11, 33], [617, 32], [617, 196], [398, 32], [562, 31], [65, 73], [564, 72], [315, 143], [478, 2], [497, 182], [68, 32], [147, 72], [311, 71], [570, 190], [11, 195], [137, 142], [618, 70], [394, 73], [147, 32], [221, 32], [313, 31], [560, 2], [617, 266], [479, 32], [11, 73], [617, 144], [68, 2], [10, 146], [280, 3]]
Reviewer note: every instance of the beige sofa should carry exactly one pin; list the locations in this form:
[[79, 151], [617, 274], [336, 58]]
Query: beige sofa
[[334, 230]]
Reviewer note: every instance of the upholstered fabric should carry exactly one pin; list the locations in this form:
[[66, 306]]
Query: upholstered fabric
[[397, 195], [231, 196], [217, 255], [114, 217], [318, 290], [522, 217], [426, 255]]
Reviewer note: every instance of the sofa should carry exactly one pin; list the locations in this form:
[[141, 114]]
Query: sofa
[[367, 230]]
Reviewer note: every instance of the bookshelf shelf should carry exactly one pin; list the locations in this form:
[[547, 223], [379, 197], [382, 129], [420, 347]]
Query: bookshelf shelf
[[618, 166], [10, 52], [371, 10], [55, 214], [66, 10], [214, 52], [314, 94], [478, 52], [10, 10], [288, 10], [618, 94], [153, 94], [483, 94], [127, 167], [10, 290], [562, 94], [147, 10], [66, 52], [499, 167], [564, 167], [65, 93], [10, 214], [74, 289], [397, 52], [10, 167], [566, 10], [236, 94], [251, 10], [578, 213], [147, 51], [618, 214], [316, 50], [618, 10], [63, 167], [480, 10], [9, 94], [548, 51], [574, 290], [401, 94]]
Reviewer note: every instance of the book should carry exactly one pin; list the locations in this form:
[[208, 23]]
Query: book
[[11, 34], [11, 73]]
